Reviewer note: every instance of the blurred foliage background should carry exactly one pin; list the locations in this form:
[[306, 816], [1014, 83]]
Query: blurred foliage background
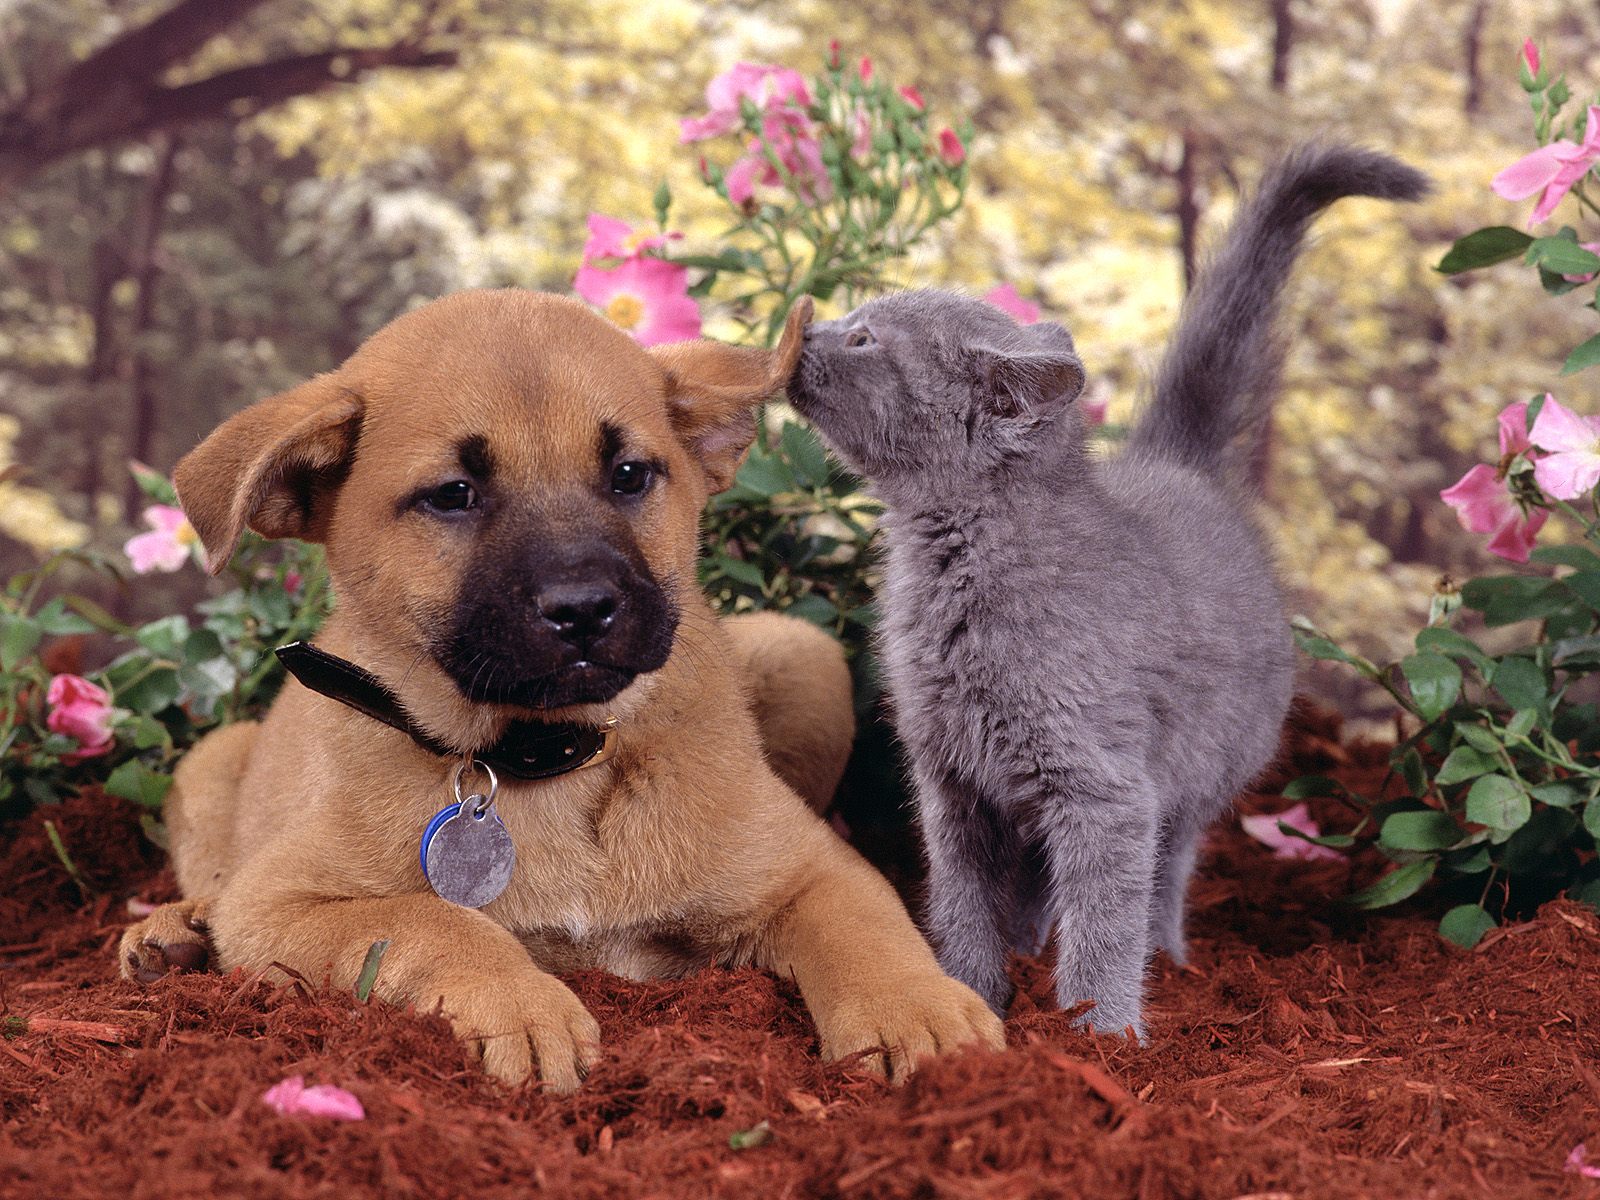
[[204, 201]]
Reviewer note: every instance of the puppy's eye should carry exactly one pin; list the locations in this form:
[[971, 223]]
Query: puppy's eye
[[859, 337], [456, 496], [631, 478]]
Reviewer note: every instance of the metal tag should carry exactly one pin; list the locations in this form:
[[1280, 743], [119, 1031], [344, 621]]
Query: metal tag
[[467, 855]]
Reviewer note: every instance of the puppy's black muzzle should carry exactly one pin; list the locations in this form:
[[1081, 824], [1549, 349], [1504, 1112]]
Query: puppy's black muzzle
[[557, 624]]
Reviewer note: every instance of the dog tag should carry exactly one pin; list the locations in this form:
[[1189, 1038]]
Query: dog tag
[[467, 855]]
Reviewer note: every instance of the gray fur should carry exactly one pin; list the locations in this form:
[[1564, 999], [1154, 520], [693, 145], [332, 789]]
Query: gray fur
[[1088, 659]]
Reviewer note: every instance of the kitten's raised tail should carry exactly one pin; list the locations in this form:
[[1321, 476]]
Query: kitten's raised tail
[[1214, 392]]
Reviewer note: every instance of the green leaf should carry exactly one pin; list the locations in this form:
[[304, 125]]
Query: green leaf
[[748, 1139], [164, 638], [151, 694], [765, 475], [1478, 737], [1312, 785], [1465, 925], [1522, 722], [1469, 860], [1435, 682], [1562, 256], [1584, 357], [1420, 831], [19, 638], [1464, 763], [1414, 772], [1506, 599], [1454, 645], [737, 569], [1396, 886], [1591, 819], [210, 678], [1588, 894], [805, 454], [1499, 803], [814, 608], [1484, 248], [1587, 585], [54, 618], [1334, 841], [1318, 645], [1579, 558], [1556, 795], [1520, 682], [148, 732], [137, 782]]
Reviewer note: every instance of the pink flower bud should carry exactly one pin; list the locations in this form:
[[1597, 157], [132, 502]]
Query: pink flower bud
[[865, 69], [913, 97], [833, 55], [1530, 56], [951, 151], [81, 710]]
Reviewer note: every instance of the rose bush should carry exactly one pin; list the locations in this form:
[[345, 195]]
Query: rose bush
[[1496, 789]]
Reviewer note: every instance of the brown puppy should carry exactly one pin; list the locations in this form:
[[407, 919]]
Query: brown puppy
[[509, 491]]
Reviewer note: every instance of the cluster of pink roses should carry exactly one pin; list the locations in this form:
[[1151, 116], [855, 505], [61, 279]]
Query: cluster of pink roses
[[1564, 449], [782, 100]]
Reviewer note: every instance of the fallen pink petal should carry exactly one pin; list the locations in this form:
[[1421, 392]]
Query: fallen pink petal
[[1578, 1163], [292, 1098], [1265, 829]]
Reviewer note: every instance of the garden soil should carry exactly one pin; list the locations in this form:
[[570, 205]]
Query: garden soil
[[1308, 1051]]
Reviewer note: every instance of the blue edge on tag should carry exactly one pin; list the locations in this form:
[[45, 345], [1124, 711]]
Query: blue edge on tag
[[439, 818]]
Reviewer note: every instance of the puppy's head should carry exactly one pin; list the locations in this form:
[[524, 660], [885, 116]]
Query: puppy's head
[[509, 491]]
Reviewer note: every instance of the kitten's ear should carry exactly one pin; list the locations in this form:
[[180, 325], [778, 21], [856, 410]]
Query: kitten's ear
[[1037, 371], [713, 388], [273, 467]]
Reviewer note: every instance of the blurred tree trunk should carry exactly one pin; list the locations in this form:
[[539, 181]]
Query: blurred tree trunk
[[117, 94], [145, 266], [1472, 52], [1187, 208], [1282, 44]]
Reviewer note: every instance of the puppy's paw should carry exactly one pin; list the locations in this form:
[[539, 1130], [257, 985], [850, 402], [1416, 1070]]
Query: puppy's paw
[[173, 938], [904, 1023], [533, 1023]]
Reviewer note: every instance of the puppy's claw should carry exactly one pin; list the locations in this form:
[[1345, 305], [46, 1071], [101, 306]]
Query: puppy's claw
[[173, 938], [922, 1020]]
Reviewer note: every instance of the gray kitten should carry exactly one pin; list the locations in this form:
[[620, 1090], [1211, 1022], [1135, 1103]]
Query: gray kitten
[[1088, 659]]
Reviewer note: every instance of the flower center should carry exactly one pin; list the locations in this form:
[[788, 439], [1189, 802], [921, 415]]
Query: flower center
[[185, 535], [625, 310]]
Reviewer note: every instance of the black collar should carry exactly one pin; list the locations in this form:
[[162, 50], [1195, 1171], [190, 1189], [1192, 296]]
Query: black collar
[[527, 749]]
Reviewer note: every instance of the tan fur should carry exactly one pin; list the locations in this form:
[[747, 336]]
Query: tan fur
[[298, 837]]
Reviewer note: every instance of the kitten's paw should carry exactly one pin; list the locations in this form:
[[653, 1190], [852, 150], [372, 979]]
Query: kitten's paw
[[905, 1023], [1102, 1019], [173, 938]]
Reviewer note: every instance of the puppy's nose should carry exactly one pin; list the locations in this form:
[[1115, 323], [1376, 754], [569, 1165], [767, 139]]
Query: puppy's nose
[[579, 612]]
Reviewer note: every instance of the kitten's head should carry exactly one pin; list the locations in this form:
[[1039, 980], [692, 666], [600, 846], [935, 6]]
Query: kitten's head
[[936, 387]]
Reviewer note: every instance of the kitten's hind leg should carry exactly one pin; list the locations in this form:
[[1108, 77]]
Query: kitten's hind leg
[[973, 856], [1180, 845], [1101, 842]]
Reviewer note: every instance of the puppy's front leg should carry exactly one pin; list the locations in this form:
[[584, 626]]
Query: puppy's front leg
[[867, 976], [440, 955]]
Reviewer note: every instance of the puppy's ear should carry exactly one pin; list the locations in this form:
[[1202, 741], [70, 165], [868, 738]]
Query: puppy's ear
[[713, 388], [1037, 371], [273, 467]]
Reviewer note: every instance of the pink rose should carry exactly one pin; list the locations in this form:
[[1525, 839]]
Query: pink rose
[[1005, 298], [1484, 504], [1513, 423], [645, 296], [1571, 465], [167, 546], [611, 238], [788, 134], [766, 86], [1551, 170], [81, 710], [913, 97]]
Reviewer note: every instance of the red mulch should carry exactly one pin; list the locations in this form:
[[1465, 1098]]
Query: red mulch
[[1309, 1052]]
